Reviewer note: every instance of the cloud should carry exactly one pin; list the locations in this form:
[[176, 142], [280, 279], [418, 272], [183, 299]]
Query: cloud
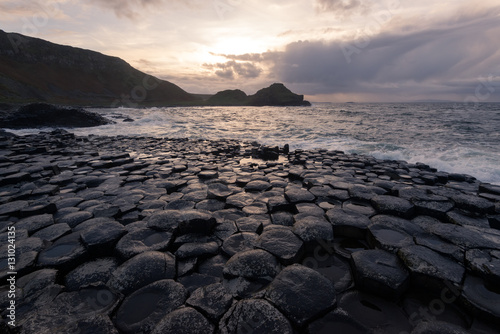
[[448, 58], [134, 9], [343, 7], [233, 68]]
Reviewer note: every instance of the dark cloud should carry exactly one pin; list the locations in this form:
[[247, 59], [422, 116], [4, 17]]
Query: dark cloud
[[233, 68], [448, 59]]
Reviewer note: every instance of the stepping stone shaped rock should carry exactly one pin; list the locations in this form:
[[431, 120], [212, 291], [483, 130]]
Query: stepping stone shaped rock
[[439, 245], [484, 264], [481, 299], [297, 195], [240, 200], [188, 221], [337, 322], [197, 250], [252, 264], [239, 242], [142, 270], [142, 240], [70, 308], [373, 312], [35, 223], [380, 272], [312, 229], [362, 192], [12, 208], [254, 223], [36, 281], [459, 218], [90, 273], [359, 206], [348, 223], [213, 266], [256, 208], [218, 191], [298, 301], [185, 320], [440, 327], [142, 310], [65, 253], [428, 268], [257, 185], [437, 209], [102, 238], [53, 232], [180, 204], [282, 243], [474, 203], [393, 206], [213, 300], [282, 218], [75, 218], [211, 205], [463, 237], [254, 316], [388, 239]]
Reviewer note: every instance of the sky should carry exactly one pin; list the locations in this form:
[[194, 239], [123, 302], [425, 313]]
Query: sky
[[328, 50]]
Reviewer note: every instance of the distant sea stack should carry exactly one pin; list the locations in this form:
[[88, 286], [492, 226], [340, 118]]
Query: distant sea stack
[[34, 70], [275, 95]]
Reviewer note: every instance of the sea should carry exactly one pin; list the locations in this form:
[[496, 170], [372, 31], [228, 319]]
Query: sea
[[452, 137]]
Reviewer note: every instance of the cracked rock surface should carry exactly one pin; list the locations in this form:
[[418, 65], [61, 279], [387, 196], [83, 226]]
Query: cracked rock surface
[[150, 235]]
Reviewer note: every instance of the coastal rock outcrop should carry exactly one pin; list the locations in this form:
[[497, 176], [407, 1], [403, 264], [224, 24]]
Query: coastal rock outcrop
[[37, 115]]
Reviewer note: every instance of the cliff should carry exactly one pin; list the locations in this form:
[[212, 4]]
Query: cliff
[[34, 70]]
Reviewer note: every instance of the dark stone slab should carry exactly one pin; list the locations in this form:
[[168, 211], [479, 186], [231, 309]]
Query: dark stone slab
[[297, 195], [254, 316], [188, 221], [374, 313], [297, 301], [36, 281], [142, 310], [239, 242], [380, 272], [53, 232], [35, 223], [282, 243], [474, 203], [90, 273], [428, 268], [388, 239], [257, 185], [240, 200], [101, 239], [253, 264], [348, 223], [197, 250], [480, 299], [337, 322], [75, 218], [185, 320], [393, 205], [212, 300], [13, 208], [313, 228], [65, 253], [142, 270], [142, 240]]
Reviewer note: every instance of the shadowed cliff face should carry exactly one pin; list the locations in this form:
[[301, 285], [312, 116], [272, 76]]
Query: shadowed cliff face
[[32, 69]]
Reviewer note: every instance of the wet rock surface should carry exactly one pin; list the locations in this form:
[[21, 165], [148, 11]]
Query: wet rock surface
[[138, 234]]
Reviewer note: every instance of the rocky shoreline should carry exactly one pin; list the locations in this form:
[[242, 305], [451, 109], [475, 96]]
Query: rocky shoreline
[[148, 235]]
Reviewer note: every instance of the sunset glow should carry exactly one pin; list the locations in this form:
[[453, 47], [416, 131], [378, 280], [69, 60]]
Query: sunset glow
[[331, 50]]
